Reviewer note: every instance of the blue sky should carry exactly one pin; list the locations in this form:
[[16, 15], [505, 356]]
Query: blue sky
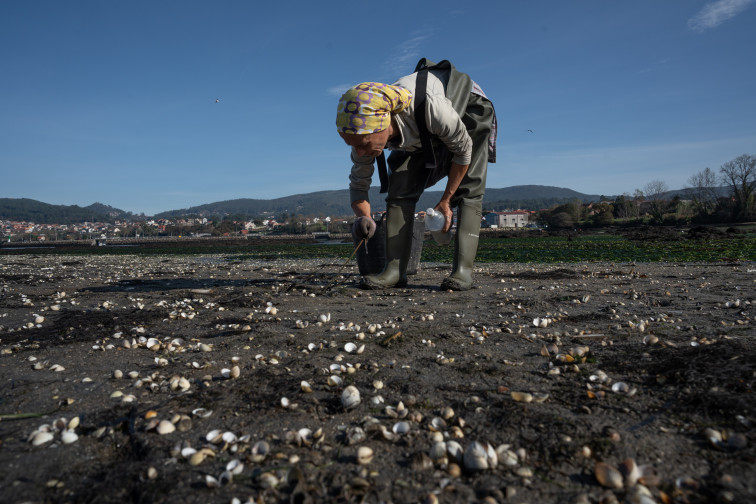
[[115, 101]]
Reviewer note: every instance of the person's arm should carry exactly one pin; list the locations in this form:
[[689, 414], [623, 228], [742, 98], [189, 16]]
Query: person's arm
[[456, 173], [361, 208]]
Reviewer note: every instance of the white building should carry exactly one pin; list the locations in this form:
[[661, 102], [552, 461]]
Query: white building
[[515, 219]]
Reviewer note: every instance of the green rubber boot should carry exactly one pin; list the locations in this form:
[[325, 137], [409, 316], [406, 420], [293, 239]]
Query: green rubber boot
[[465, 246], [400, 221]]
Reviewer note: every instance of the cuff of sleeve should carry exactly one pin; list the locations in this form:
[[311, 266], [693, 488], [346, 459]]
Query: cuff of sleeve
[[358, 195], [462, 159]]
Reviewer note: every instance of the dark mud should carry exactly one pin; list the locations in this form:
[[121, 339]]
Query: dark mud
[[692, 368]]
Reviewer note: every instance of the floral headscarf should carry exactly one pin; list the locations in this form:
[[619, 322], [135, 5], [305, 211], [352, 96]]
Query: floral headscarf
[[367, 107]]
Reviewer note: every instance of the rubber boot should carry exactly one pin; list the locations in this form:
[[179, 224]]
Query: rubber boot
[[465, 247], [400, 220]]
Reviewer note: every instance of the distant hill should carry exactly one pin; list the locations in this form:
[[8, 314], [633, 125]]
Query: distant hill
[[29, 210], [322, 203], [528, 197]]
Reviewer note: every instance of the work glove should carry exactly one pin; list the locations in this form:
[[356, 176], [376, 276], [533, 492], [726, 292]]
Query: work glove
[[363, 228]]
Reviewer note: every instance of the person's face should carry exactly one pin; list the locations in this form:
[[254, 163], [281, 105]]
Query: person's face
[[371, 144]]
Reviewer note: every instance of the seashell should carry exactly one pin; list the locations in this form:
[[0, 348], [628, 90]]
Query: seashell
[[41, 438], [620, 388], [229, 437], [214, 436], [350, 397], [268, 480], [540, 397], [476, 457], [421, 462], [202, 412], [259, 451], [639, 494], [184, 424], [350, 347], [324, 318], [401, 428], [355, 435], [438, 451], [69, 437], [455, 450], [447, 413], [187, 451], [306, 387], [235, 467], [73, 423], [211, 482], [305, 436], [364, 455], [608, 476], [650, 339], [630, 472], [128, 398], [57, 368], [39, 319], [165, 427], [437, 424], [522, 396]]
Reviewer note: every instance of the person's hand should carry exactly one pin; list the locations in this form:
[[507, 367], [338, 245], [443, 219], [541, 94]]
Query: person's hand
[[445, 209], [363, 228]]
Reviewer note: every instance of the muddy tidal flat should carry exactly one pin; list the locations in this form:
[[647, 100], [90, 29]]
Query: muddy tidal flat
[[210, 378]]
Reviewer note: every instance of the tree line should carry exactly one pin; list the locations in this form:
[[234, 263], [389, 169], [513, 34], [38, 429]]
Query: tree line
[[728, 195]]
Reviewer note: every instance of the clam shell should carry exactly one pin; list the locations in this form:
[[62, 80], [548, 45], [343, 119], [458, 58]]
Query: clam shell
[[455, 450], [41, 438], [620, 387], [235, 467], [350, 397], [438, 450], [476, 457], [608, 476], [69, 437], [364, 455], [401, 428], [522, 396], [165, 427], [630, 471]]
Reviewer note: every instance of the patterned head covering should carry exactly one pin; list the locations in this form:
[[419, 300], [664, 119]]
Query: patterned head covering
[[367, 107]]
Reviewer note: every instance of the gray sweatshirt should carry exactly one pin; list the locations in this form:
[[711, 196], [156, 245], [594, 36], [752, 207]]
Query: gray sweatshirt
[[442, 120]]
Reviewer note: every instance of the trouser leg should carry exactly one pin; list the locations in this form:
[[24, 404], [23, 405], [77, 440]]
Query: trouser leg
[[400, 221], [465, 246]]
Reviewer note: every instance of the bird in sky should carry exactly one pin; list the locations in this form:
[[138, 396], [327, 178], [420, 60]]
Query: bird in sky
[[217, 100], [528, 130]]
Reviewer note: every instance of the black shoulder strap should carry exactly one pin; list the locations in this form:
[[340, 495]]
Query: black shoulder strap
[[421, 92]]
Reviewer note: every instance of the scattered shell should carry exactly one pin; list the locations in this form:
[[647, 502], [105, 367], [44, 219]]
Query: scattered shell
[[165, 427], [41, 438], [479, 457], [630, 471], [69, 437], [364, 455], [401, 428], [235, 467], [202, 412], [608, 476], [259, 451], [522, 396], [438, 451], [350, 397], [620, 387]]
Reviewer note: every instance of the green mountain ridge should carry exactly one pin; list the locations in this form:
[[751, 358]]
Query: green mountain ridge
[[321, 203]]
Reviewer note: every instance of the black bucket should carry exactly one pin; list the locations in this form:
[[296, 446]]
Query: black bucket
[[372, 259]]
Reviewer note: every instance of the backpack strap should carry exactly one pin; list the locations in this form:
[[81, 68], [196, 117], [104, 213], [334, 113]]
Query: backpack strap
[[421, 93]]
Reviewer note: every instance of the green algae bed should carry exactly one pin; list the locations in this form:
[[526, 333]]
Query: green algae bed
[[518, 247]]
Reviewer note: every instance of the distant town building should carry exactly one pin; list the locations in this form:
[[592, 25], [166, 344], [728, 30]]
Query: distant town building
[[515, 219]]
